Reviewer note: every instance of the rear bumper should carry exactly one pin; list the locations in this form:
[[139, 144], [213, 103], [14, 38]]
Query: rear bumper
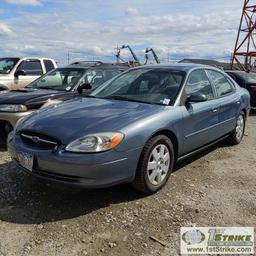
[[95, 170]]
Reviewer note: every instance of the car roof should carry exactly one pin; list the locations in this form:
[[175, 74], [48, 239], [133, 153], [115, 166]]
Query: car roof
[[235, 71], [24, 58], [178, 66], [97, 64]]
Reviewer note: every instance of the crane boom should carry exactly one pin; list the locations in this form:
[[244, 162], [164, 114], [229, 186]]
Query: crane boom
[[154, 54], [132, 53]]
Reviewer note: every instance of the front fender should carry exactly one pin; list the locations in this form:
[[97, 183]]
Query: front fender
[[138, 133], [3, 87]]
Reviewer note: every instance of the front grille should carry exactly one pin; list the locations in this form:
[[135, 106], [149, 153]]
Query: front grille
[[39, 140]]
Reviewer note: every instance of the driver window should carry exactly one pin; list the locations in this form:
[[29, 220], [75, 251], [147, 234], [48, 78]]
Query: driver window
[[199, 82]]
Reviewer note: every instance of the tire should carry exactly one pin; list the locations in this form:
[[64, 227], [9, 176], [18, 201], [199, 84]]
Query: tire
[[155, 165], [2, 140], [237, 134]]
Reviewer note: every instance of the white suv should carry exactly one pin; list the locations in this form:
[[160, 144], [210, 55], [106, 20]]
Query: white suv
[[16, 73]]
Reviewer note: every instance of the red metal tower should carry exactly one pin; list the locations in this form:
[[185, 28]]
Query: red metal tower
[[244, 55]]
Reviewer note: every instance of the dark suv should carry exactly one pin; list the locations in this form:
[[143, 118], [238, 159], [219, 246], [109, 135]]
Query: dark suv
[[56, 86]]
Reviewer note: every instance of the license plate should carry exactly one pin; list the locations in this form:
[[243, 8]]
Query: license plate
[[26, 160]]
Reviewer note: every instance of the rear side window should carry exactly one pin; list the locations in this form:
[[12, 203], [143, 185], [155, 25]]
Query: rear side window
[[31, 67], [198, 82], [222, 85], [48, 65]]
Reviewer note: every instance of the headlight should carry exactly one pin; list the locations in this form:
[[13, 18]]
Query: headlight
[[97, 142], [13, 108], [51, 103]]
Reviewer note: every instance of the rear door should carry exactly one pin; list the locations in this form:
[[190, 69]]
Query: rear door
[[229, 101], [200, 118]]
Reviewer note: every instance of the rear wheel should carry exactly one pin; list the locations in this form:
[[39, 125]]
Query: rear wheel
[[238, 133], [155, 165]]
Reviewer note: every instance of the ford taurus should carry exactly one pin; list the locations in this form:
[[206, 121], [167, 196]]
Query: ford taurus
[[132, 129]]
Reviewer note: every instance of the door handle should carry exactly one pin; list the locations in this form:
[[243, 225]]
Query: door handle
[[214, 110]]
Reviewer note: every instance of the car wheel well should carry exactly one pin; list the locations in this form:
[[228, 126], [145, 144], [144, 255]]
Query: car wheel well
[[244, 111], [172, 137], [3, 88]]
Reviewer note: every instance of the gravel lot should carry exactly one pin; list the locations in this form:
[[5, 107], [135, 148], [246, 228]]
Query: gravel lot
[[216, 188]]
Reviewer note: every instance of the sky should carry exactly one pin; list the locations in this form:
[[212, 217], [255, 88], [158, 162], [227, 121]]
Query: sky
[[92, 29]]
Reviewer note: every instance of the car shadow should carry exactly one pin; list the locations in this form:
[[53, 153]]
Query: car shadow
[[28, 200], [3, 147], [196, 156]]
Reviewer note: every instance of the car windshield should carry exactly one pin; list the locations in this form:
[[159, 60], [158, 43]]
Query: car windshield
[[153, 86], [249, 77], [7, 64], [60, 79], [65, 79]]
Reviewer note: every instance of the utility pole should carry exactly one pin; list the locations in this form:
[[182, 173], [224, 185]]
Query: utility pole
[[168, 55], [68, 57]]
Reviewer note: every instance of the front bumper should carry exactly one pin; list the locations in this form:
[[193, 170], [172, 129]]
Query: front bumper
[[12, 118], [87, 170]]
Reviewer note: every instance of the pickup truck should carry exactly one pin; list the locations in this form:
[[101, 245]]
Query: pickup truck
[[16, 73]]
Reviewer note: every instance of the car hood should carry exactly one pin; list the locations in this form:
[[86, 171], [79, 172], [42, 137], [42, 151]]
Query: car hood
[[82, 116], [27, 96]]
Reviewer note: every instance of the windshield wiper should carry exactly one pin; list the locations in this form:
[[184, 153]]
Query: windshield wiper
[[47, 88], [118, 97]]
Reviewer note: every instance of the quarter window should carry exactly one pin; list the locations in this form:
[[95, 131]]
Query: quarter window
[[198, 82], [221, 83]]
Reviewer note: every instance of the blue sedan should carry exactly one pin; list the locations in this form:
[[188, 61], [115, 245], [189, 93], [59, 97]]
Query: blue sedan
[[132, 129]]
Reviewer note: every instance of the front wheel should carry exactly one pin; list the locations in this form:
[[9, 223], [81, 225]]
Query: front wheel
[[238, 133], [155, 165], [2, 139]]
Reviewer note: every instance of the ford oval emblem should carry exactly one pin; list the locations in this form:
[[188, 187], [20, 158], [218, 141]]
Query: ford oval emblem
[[35, 139]]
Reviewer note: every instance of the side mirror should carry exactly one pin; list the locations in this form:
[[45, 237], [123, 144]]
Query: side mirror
[[82, 87], [197, 97], [19, 73]]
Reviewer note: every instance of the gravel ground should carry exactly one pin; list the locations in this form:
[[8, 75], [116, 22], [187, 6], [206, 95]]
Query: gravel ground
[[216, 188]]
